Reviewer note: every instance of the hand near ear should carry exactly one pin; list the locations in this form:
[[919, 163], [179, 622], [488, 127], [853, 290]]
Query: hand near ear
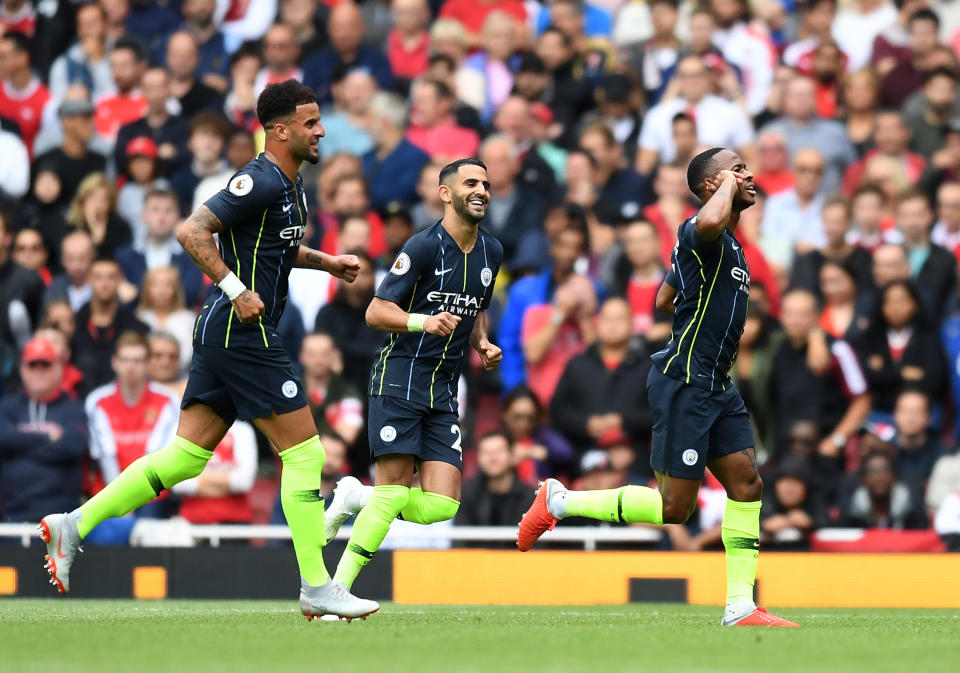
[[713, 184]]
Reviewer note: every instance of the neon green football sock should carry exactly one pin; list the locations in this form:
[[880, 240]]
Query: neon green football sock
[[628, 504], [302, 503], [426, 507], [142, 481], [369, 529], [740, 532]]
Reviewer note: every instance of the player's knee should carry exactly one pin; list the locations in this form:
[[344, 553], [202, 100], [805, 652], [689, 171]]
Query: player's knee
[[748, 491], [676, 511]]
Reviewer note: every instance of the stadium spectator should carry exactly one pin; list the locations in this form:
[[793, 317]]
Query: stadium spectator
[[936, 106], [343, 318], [728, 125], [835, 216], [835, 396], [241, 150], [93, 210], [162, 308], [473, 15], [845, 312], [791, 502], [21, 297], [946, 230], [759, 342], [130, 416], [750, 52], [349, 197], [893, 43], [51, 332], [933, 267], [622, 192], [168, 131], [891, 138], [30, 252], [86, 61], [199, 19], [393, 167], [901, 349], [141, 170], [335, 403], [571, 96], [861, 96], [538, 449], [308, 20], [206, 141], [655, 57], [99, 324], [182, 58], [792, 219], [918, 448], [815, 23], [408, 43], [638, 274], [432, 126], [496, 496], [347, 123], [72, 161], [73, 283], [908, 69], [515, 209], [221, 493], [126, 104], [40, 209], [857, 26], [881, 500], [345, 28], [163, 366], [23, 97], [805, 130], [603, 390], [495, 61], [280, 56], [443, 68], [43, 440], [517, 118], [872, 227], [773, 175]]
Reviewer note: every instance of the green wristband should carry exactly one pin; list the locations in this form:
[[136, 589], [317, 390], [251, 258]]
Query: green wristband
[[415, 322]]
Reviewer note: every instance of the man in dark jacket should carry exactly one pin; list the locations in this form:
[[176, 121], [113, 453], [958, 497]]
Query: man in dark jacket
[[496, 496], [933, 267], [21, 297], [604, 388], [43, 440]]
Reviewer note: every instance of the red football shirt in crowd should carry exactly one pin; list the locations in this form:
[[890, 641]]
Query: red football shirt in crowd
[[446, 140], [472, 14], [237, 450], [408, 63], [544, 376], [112, 112], [642, 298], [25, 107], [668, 234]]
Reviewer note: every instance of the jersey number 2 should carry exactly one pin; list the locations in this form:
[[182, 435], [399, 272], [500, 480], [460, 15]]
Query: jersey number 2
[[455, 429]]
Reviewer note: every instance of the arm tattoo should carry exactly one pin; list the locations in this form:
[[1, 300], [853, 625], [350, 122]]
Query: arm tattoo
[[314, 260], [196, 237]]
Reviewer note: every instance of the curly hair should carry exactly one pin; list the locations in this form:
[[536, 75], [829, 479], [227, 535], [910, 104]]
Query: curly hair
[[278, 101]]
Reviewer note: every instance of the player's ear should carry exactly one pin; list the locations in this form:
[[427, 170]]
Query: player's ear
[[446, 195], [280, 131]]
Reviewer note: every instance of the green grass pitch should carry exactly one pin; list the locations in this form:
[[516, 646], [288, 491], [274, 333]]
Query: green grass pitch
[[75, 636]]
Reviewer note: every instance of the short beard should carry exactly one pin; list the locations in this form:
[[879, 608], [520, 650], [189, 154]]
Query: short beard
[[460, 208]]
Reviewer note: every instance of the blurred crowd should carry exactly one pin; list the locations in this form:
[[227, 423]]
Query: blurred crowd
[[119, 117]]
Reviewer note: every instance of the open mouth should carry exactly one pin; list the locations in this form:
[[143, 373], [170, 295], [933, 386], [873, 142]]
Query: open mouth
[[751, 189], [477, 202]]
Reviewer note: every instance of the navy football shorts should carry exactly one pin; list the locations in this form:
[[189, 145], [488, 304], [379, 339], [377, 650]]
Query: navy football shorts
[[395, 425], [692, 426], [247, 383]]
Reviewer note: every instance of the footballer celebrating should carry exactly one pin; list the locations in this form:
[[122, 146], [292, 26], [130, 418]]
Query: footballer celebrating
[[239, 366], [699, 418], [432, 303]]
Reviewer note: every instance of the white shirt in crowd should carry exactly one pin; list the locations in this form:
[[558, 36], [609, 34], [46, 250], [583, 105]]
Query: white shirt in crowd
[[15, 168], [720, 123], [855, 32]]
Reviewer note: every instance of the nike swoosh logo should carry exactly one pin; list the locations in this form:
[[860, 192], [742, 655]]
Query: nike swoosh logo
[[60, 553], [287, 207], [438, 272]]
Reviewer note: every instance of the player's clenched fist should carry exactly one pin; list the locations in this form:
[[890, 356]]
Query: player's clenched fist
[[344, 266], [248, 306], [441, 324], [490, 354]]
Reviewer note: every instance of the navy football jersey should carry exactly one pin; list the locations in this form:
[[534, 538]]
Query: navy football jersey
[[431, 275], [264, 216], [713, 289]]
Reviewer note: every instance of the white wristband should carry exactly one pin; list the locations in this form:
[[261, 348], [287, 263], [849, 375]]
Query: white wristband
[[232, 286]]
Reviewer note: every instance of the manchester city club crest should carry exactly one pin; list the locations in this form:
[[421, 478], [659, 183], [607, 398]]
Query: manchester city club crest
[[486, 276]]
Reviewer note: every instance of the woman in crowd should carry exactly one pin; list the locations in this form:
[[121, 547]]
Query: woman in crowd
[[93, 211], [860, 95], [843, 315], [162, 308], [539, 450]]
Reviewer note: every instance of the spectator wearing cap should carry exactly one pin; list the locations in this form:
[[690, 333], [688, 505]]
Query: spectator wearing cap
[[72, 161], [803, 129], [432, 126], [86, 62], [23, 97], [199, 19], [656, 56], [280, 55], [208, 137], [496, 496], [142, 173], [127, 104], [408, 42], [604, 388], [719, 122], [168, 131], [347, 124], [623, 192], [882, 500], [515, 209], [182, 58], [930, 117], [791, 502], [159, 247], [346, 49], [99, 323], [43, 440], [392, 168], [72, 285], [21, 297]]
